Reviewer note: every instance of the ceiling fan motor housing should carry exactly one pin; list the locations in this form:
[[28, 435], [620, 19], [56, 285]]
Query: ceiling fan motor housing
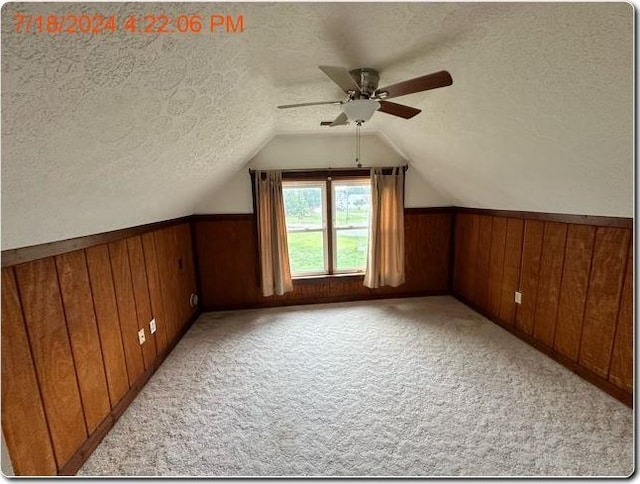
[[367, 79]]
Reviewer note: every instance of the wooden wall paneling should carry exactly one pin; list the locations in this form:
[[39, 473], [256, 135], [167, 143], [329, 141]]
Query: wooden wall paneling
[[550, 275], [483, 255], [126, 304], [472, 257], [224, 248], [155, 292], [603, 298], [23, 420], [496, 265], [573, 289], [621, 370], [511, 271], [186, 268], [83, 333], [427, 244], [169, 286], [108, 321], [530, 268], [47, 330], [460, 271], [141, 297]]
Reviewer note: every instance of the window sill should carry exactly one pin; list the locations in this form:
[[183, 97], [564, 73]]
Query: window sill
[[328, 277]]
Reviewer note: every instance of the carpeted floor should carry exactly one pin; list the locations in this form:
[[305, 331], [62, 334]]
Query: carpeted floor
[[402, 387]]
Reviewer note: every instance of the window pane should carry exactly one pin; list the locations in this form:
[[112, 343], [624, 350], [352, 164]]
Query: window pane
[[352, 204], [306, 252], [305, 216], [303, 206], [351, 249]]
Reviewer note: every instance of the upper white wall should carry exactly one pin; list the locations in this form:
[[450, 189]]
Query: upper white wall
[[318, 150], [101, 132]]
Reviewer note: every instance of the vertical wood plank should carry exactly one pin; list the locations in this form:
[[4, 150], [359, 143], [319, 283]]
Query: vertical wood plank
[[472, 256], [126, 308], [511, 275], [155, 292], [531, 252], [605, 286], [141, 296], [482, 267], [573, 289], [83, 333], [551, 261], [165, 255], [621, 371], [496, 265], [23, 420], [459, 260], [47, 330], [106, 308], [186, 270]]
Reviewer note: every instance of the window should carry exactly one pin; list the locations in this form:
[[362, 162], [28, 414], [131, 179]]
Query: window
[[327, 225]]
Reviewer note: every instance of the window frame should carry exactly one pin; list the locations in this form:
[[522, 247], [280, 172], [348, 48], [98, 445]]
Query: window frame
[[330, 229]]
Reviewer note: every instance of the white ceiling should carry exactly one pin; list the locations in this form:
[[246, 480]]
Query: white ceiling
[[101, 132]]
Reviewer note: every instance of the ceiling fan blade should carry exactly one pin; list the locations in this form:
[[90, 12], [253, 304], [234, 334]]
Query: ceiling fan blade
[[341, 120], [406, 112], [287, 106], [423, 83], [341, 77]]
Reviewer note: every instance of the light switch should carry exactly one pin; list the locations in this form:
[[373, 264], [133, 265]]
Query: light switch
[[518, 297], [141, 336], [152, 326]]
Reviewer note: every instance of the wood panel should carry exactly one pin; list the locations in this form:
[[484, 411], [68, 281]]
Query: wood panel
[[603, 298], [166, 253], [471, 257], [46, 326], [141, 296], [530, 269], [186, 270], [496, 265], [460, 262], [483, 255], [551, 261], [621, 371], [511, 269], [106, 308], [71, 358], [85, 343], [23, 420], [227, 261], [126, 304], [573, 289], [155, 293]]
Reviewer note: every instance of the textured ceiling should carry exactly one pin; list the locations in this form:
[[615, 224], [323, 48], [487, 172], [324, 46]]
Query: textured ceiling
[[107, 131]]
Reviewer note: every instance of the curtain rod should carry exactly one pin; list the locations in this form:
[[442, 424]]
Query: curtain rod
[[336, 170]]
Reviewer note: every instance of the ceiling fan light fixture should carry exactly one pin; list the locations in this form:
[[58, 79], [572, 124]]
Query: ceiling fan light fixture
[[360, 109]]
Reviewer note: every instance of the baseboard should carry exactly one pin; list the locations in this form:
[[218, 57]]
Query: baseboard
[[322, 300], [586, 374], [82, 454]]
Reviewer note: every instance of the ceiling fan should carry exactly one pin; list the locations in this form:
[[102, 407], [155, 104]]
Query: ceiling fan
[[364, 98]]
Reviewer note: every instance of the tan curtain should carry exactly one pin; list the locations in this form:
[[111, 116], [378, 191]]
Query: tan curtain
[[272, 234], [385, 261]]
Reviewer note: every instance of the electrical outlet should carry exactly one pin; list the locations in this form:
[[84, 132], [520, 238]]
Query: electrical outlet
[[152, 325], [141, 336], [518, 297]]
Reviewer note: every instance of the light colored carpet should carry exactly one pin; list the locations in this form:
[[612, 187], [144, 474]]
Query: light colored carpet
[[401, 387]]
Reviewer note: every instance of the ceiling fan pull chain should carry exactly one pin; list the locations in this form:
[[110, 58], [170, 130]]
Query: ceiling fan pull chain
[[358, 164]]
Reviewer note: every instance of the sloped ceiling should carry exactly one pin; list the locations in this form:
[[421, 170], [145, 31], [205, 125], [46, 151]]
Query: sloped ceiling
[[106, 131]]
